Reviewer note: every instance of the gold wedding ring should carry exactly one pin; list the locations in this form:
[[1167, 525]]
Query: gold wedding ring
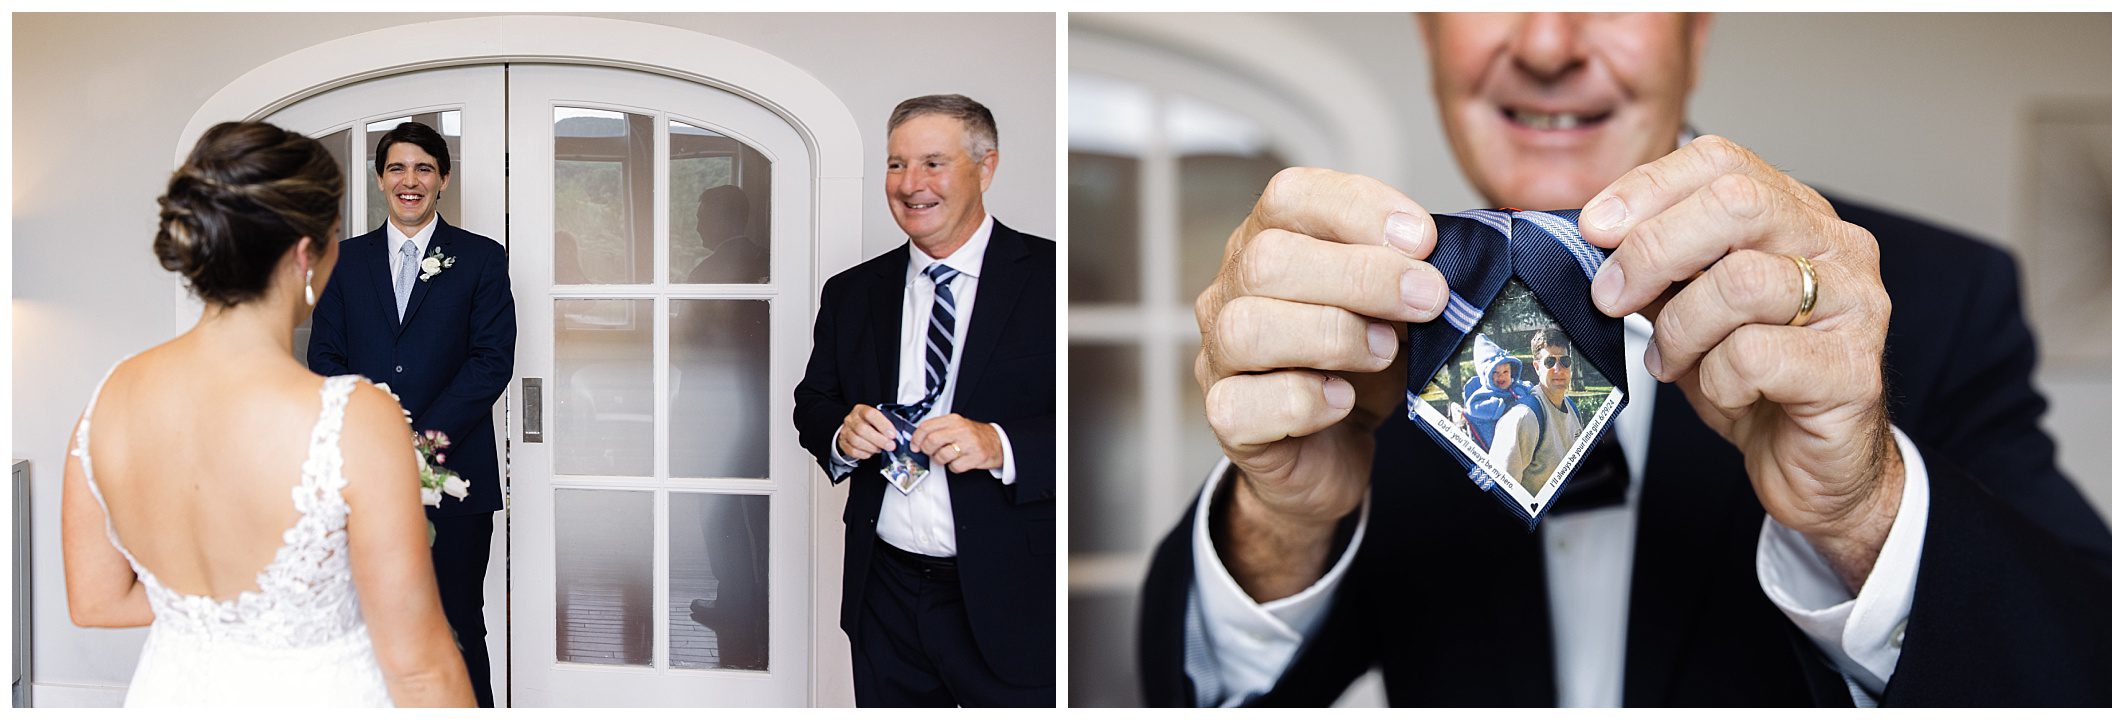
[[1810, 286], [956, 452]]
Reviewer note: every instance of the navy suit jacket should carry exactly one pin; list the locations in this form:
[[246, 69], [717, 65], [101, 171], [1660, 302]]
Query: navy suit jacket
[[448, 361], [1447, 594], [1005, 533]]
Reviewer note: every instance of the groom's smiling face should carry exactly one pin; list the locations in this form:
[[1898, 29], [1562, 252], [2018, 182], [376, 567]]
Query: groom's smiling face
[[411, 185]]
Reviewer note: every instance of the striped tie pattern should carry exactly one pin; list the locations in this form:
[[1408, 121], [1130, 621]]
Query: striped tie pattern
[[904, 467], [943, 324]]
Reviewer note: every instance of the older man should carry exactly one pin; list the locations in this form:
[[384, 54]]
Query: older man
[[947, 595], [1822, 511]]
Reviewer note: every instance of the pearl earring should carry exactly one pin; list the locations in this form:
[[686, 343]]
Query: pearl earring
[[309, 294]]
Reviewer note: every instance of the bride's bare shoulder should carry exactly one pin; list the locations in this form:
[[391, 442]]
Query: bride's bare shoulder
[[376, 440]]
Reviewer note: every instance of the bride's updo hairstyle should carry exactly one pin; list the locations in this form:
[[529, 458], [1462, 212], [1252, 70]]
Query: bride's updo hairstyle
[[248, 192]]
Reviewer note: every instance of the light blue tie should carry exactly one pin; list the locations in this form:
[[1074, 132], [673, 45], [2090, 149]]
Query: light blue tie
[[406, 266]]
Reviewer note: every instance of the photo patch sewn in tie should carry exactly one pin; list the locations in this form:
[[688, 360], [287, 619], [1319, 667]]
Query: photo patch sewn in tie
[[1513, 379], [904, 467]]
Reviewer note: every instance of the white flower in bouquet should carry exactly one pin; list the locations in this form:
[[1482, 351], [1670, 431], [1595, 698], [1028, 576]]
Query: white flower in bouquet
[[428, 446], [456, 487], [436, 480]]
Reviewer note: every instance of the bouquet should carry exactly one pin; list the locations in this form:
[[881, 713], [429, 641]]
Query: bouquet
[[436, 480]]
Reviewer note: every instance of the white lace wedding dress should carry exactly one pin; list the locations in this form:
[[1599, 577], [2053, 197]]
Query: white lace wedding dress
[[299, 639]]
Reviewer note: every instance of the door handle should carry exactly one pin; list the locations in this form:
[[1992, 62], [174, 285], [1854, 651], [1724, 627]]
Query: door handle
[[534, 410]]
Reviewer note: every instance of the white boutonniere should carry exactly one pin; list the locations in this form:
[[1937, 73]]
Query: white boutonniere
[[434, 263]]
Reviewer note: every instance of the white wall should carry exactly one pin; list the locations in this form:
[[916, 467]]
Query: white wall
[[100, 100]]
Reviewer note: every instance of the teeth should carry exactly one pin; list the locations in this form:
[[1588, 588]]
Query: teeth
[[1545, 121]]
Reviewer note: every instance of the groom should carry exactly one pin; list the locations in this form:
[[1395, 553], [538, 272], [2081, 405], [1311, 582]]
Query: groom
[[425, 307]]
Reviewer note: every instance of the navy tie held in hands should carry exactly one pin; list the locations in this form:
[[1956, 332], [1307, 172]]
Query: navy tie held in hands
[[1522, 419]]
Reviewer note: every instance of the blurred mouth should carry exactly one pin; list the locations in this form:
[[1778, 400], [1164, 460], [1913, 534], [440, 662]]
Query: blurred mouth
[[919, 207], [1558, 121], [410, 201]]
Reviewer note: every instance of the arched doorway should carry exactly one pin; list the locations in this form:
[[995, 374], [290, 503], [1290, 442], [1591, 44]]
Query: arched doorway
[[663, 495]]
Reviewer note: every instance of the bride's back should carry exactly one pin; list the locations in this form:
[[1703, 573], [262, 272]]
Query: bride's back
[[200, 459], [197, 458]]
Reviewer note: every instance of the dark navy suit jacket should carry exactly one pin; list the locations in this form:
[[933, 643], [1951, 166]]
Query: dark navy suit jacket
[[1005, 533], [448, 361], [1447, 595]]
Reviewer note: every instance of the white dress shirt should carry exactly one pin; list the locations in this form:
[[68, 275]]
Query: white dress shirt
[[398, 239], [1588, 562], [920, 521]]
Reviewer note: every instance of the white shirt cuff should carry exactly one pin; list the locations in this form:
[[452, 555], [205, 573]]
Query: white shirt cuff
[[1252, 643], [1863, 635], [842, 466], [1009, 472]]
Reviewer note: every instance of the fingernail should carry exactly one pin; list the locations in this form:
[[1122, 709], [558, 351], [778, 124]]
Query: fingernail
[[1652, 362], [1339, 394], [1423, 292], [1608, 285], [1381, 339], [1404, 233], [1608, 215]]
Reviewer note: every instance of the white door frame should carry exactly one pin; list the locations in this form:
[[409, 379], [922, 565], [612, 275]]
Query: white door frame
[[829, 131]]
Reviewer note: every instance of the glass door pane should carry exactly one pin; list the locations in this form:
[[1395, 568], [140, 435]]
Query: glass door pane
[[720, 232], [603, 174], [719, 566], [719, 388], [604, 557], [603, 402]]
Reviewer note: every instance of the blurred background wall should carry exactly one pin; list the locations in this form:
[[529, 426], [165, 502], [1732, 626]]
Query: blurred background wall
[[1994, 125]]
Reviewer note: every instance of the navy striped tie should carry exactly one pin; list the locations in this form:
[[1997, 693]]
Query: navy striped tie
[[905, 467], [943, 325]]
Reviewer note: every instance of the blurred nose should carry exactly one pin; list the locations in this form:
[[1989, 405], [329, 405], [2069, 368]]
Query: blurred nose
[[906, 182], [1548, 45]]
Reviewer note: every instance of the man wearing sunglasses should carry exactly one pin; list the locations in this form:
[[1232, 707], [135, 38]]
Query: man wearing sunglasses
[[1530, 448]]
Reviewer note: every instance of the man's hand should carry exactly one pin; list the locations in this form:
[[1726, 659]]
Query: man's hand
[[961, 444], [1803, 403], [1300, 361], [864, 432]]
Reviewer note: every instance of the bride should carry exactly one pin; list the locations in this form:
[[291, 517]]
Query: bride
[[263, 521]]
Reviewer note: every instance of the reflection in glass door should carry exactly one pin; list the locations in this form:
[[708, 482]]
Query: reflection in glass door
[[662, 538]]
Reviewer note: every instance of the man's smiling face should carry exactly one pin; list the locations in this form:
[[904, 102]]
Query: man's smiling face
[[1545, 109], [411, 185], [933, 184]]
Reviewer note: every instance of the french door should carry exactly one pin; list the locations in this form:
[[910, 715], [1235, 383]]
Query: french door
[[658, 537], [663, 320]]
